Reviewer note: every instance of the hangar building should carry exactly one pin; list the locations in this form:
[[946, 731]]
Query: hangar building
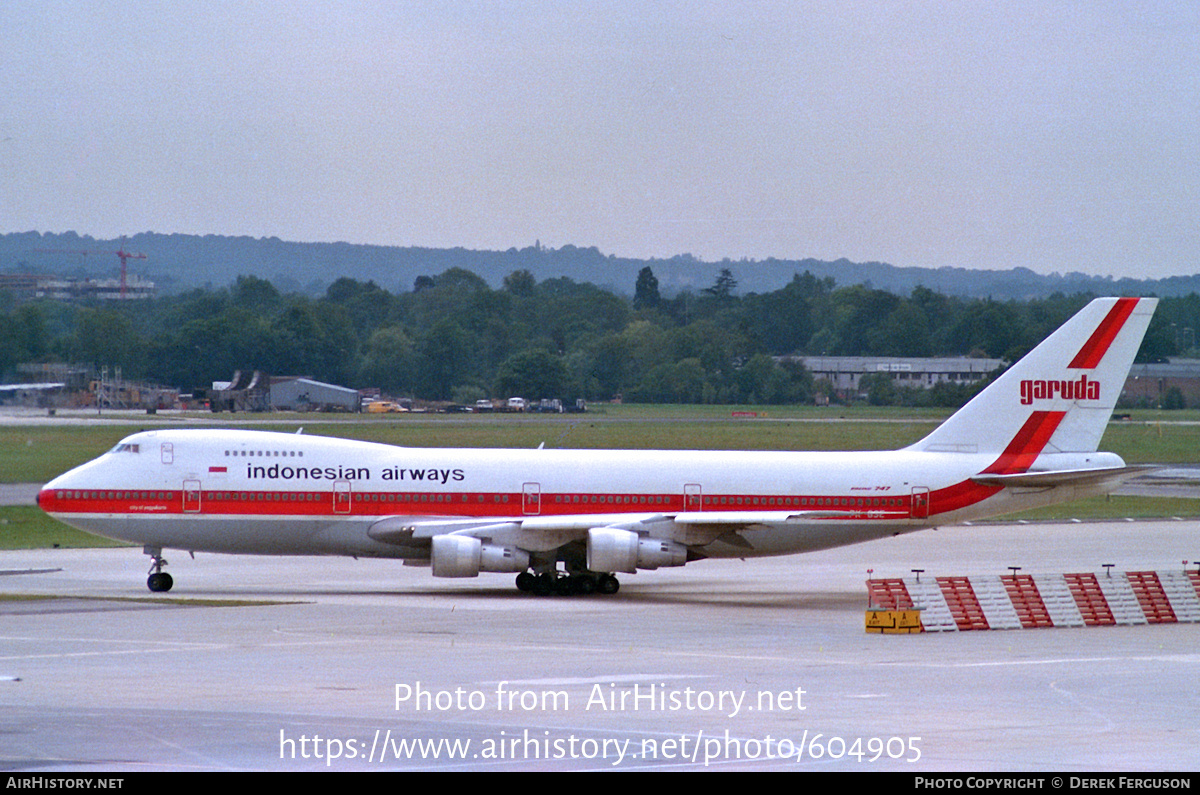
[[305, 394]]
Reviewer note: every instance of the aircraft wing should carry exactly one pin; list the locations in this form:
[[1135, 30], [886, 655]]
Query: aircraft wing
[[532, 533], [544, 533]]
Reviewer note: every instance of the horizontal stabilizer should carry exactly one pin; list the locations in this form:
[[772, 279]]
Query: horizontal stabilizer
[[1065, 477]]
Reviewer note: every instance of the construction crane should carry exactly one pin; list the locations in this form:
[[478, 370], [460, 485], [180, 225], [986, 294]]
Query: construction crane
[[124, 255]]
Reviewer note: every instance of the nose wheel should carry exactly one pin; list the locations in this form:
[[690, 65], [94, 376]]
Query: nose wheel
[[158, 581]]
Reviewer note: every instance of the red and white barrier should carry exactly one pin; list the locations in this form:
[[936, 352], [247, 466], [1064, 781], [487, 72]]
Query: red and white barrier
[[1024, 601]]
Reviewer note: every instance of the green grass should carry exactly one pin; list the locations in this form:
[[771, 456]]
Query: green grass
[[38, 453], [1155, 442], [26, 527]]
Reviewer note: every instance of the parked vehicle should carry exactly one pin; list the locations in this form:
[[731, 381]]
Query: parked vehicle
[[385, 407]]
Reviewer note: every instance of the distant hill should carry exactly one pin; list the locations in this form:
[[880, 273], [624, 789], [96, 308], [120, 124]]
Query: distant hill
[[179, 262]]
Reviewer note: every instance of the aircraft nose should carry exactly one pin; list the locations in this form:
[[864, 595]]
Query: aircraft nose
[[48, 496], [45, 499]]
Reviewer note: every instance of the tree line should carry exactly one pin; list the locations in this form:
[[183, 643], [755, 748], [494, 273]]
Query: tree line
[[453, 337]]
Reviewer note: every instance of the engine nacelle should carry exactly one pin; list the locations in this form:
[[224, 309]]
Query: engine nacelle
[[610, 549], [503, 559], [654, 552], [464, 556]]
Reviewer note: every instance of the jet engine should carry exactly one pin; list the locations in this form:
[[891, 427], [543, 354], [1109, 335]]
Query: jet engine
[[610, 549], [464, 556]]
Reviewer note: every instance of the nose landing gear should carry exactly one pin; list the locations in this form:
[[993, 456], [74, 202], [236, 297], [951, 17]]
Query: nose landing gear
[[158, 581]]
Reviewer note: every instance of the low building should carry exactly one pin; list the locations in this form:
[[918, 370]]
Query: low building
[[1148, 384], [305, 394], [28, 286], [47, 394], [845, 372]]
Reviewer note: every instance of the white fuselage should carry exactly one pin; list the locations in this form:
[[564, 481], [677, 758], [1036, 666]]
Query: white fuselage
[[273, 493]]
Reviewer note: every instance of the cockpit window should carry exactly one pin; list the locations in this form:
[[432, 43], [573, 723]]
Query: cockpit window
[[125, 448]]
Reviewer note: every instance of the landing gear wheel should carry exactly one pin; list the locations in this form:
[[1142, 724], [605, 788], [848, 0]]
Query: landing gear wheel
[[543, 584], [552, 583], [158, 581]]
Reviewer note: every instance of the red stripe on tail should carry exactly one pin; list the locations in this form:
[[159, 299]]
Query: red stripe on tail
[[1027, 445], [1094, 349], [1020, 454]]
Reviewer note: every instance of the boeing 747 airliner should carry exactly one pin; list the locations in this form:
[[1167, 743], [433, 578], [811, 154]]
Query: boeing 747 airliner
[[567, 521]]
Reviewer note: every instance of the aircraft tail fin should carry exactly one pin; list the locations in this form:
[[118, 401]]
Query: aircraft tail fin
[[1059, 397]]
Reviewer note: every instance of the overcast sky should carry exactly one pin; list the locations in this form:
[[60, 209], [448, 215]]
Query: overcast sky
[[1057, 136]]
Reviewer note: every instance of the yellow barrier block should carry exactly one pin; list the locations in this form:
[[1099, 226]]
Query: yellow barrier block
[[893, 622]]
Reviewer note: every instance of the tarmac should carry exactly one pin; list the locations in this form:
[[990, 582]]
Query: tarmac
[[298, 664]]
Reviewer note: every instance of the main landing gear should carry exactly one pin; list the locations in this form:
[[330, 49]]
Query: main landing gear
[[158, 581], [578, 584]]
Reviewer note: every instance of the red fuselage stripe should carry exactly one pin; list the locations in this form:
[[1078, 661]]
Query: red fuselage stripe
[[470, 504], [960, 495]]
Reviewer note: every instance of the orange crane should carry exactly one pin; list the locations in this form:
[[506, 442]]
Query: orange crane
[[121, 252]]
